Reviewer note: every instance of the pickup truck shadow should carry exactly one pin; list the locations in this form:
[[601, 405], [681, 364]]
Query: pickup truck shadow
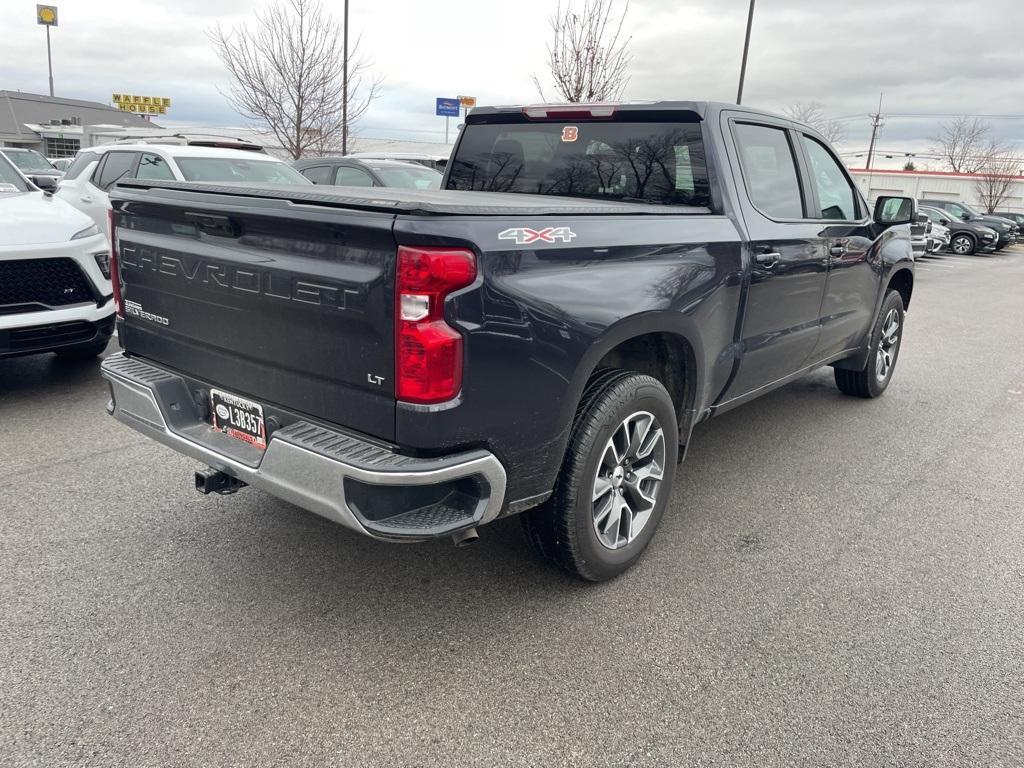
[[314, 568]]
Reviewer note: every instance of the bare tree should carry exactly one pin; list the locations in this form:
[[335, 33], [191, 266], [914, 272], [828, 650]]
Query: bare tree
[[813, 114], [966, 144], [287, 73], [997, 180], [588, 57]]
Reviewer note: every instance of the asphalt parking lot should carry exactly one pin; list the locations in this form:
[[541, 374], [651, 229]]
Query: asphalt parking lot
[[837, 582]]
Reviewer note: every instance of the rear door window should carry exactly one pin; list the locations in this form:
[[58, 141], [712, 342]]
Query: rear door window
[[647, 162], [318, 174], [153, 167], [353, 177], [769, 170], [115, 165]]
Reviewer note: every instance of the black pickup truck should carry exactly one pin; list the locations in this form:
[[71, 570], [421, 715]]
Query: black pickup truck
[[539, 337]]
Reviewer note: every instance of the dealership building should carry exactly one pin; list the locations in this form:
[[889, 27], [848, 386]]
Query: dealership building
[[939, 185], [54, 126]]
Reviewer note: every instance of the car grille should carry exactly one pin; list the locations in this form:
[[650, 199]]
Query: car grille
[[44, 336], [33, 284]]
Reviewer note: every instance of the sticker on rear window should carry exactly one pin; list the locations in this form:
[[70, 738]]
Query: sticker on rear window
[[570, 133]]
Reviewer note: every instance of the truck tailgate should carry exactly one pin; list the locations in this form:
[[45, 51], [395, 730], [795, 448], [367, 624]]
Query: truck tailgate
[[286, 307]]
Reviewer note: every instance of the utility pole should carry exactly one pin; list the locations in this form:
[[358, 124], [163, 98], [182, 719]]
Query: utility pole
[[344, 87], [746, 47], [876, 123]]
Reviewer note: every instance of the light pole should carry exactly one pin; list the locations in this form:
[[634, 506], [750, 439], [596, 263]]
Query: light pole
[[746, 47], [344, 86], [47, 16]]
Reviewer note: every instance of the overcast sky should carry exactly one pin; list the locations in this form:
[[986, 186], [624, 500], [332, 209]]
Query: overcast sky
[[927, 56]]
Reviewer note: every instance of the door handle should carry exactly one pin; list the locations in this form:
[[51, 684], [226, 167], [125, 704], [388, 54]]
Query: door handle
[[85, 199], [766, 257], [837, 250]]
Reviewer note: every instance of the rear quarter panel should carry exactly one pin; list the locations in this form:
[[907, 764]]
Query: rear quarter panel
[[541, 316]]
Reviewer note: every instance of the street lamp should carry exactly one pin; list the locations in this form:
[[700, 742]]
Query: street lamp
[[47, 16], [746, 47]]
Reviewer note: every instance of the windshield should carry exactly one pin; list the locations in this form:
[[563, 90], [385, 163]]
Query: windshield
[[409, 178], [29, 160], [10, 179], [636, 162], [970, 210], [238, 169]]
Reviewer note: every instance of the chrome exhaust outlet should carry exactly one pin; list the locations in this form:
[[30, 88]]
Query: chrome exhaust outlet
[[465, 538]]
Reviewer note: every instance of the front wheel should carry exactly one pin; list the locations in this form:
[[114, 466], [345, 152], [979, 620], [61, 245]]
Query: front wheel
[[885, 340], [962, 245], [615, 479]]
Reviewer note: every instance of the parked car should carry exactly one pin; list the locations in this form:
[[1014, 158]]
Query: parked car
[[55, 291], [414, 364], [87, 181], [1004, 228], [965, 237], [437, 162], [34, 166], [349, 172], [1016, 218], [938, 238], [919, 235]]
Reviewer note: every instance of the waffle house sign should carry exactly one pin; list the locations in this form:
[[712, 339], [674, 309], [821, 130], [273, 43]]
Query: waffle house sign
[[143, 105]]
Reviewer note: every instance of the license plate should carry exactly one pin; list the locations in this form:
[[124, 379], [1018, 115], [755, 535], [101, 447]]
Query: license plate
[[238, 417]]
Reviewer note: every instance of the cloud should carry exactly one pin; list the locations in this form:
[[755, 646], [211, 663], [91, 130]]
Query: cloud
[[924, 56]]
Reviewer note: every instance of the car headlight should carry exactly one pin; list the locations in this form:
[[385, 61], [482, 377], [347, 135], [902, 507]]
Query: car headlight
[[988, 236], [89, 231]]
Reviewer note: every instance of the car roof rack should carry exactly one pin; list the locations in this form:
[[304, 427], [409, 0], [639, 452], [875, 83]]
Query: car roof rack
[[193, 140]]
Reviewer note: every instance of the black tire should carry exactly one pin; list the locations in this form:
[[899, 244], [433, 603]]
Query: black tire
[[968, 246], [869, 382], [563, 529], [83, 351]]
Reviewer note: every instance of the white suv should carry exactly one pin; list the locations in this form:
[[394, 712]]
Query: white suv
[[94, 170], [55, 292]]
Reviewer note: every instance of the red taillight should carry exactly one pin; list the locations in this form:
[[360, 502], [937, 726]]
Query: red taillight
[[115, 271], [428, 351]]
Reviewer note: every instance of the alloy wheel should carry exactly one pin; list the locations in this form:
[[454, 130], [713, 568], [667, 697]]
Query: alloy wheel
[[886, 355], [628, 480]]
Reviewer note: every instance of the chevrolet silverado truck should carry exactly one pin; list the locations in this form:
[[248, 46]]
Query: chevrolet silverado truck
[[537, 338]]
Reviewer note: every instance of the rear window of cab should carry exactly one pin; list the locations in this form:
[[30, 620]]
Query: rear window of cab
[[649, 162]]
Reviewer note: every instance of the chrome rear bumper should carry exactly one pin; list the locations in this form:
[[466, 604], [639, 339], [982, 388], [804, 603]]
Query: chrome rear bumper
[[352, 481]]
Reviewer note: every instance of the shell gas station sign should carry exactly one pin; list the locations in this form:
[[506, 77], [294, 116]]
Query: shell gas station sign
[[143, 105]]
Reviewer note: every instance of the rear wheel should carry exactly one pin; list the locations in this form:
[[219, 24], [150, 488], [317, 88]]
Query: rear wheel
[[885, 341], [615, 479], [962, 245]]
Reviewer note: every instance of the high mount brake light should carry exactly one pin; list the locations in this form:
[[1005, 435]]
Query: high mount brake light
[[428, 351], [115, 272], [569, 111]]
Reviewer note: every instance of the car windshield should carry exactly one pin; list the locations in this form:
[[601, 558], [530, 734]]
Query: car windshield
[[29, 160], [970, 210], [238, 169], [641, 162], [412, 177], [10, 179]]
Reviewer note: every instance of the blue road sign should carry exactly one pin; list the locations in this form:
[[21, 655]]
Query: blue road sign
[[447, 108]]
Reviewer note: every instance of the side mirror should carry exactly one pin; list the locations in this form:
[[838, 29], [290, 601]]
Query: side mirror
[[45, 183], [922, 219], [890, 211], [965, 216], [944, 222]]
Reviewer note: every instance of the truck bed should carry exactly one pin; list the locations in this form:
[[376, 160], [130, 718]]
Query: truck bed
[[410, 201]]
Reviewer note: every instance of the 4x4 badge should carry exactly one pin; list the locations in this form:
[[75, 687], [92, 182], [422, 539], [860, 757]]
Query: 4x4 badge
[[525, 235]]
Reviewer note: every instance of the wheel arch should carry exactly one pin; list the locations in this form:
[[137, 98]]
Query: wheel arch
[[902, 281]]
